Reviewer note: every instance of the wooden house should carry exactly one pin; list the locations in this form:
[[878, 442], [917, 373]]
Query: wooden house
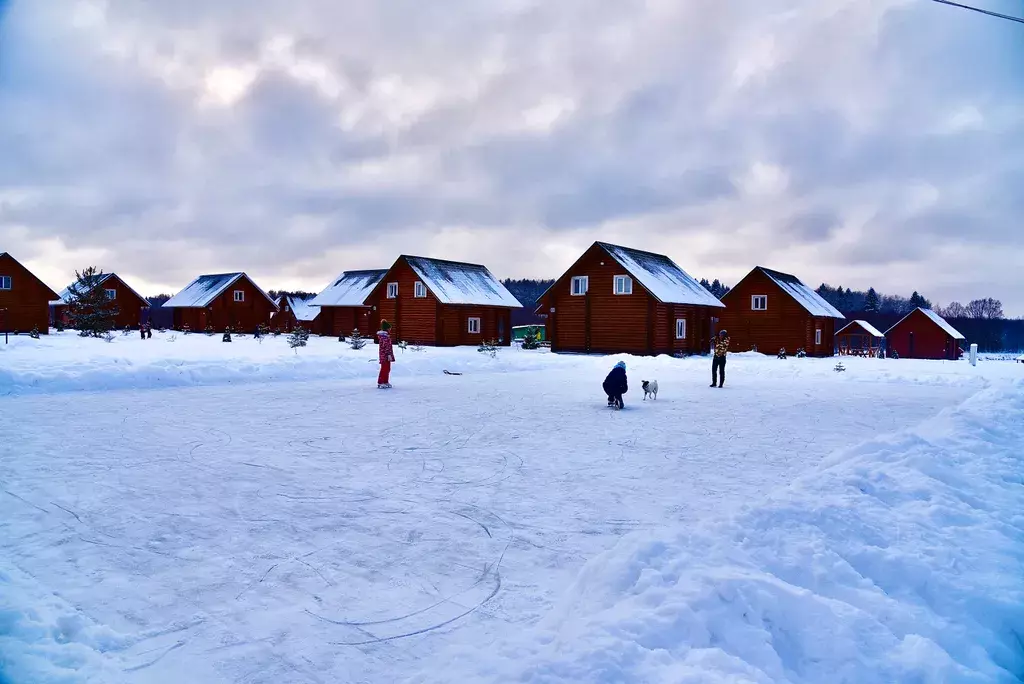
[[924, 334], [859, 338], [769, 311], [342, 304], [132, 308], [294, 312], [221, 301], [24, 298], [443, 303], [620, 300]]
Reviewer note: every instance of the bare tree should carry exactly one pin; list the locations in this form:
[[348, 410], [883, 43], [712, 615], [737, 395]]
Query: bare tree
[[985, 308], [954, 310]]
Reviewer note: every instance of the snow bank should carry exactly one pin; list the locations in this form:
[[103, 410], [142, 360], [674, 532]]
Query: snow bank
[[43, 640], [899, 561]]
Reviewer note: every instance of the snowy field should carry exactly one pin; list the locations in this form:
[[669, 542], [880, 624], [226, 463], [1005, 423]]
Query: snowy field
[[184, 510]]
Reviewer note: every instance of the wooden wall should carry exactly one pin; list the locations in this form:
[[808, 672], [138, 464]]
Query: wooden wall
[[342, 320], [27, 304]]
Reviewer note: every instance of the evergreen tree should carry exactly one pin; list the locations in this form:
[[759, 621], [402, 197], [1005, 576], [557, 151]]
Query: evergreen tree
[[298, 338], [91, 310], [356, 341], [872, 303], [918, 302], [706, 285]]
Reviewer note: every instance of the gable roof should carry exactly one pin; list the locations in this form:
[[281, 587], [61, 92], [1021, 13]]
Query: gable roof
[[62, 298], [206, 288], [936, 319], [805, 296], [868, 328], [454, 282], [661, 276], [351, 288], [301, 307], [11, 257]]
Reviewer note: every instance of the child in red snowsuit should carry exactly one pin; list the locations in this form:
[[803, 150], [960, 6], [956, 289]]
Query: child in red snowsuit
[[385, 354]]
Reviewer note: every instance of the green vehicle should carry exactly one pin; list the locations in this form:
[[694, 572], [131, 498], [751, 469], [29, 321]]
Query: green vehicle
[[519, 332]]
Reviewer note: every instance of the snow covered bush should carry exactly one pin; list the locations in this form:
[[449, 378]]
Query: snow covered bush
[[210, 331], [227, 335], [298, 338], [801, 353], [782, 353], [489, 347], [532, 339], [34, 334], [356, 341]]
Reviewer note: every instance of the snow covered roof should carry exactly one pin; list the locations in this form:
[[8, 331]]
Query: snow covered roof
[[807, 298], [64, 295], [662, 277], [870, 329], [453, 282], [302, 307], [206, 288], [937, 319], [351, 288]]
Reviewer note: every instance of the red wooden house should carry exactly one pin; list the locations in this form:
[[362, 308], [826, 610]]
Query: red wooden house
[[620, 300], [219, 302], [443, 303], [24, 298], [294, 312], [342, 307], [132, 308], [769, 311], [859, 338], [924, 334]]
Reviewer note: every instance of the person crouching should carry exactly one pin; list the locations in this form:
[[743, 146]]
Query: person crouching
[[615, 385]]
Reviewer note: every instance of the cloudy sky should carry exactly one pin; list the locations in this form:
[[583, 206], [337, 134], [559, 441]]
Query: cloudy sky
[[859, 142]]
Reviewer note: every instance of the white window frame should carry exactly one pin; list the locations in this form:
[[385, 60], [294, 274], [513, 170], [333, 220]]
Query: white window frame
[[420, 291], [680, 328], [584, 282], [756, 299], [239, 295], [392, 290], [111, 294], [5, 282], [472, 323], [627, 283], [817, 336]]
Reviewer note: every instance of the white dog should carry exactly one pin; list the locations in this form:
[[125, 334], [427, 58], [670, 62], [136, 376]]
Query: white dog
[[650, 388]]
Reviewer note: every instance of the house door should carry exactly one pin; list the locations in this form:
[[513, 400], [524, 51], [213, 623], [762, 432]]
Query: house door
[[910, 347], [501, 327]]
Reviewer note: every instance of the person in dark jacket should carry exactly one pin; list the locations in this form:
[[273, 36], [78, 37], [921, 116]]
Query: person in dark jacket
[[718, 363], [615, 385]]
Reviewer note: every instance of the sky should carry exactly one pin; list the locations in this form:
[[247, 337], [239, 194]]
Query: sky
[[855, 142]]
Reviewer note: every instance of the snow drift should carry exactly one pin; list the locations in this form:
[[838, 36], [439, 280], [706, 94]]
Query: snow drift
[[898, 561]]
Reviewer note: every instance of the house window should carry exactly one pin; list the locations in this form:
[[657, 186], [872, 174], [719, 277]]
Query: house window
[[580, 285], [759, 302], [474, 326], [111, 294], [239, 295], [392, 290], [421, 290], [623, 285], [680, 328], [817, 336], [5, 282]]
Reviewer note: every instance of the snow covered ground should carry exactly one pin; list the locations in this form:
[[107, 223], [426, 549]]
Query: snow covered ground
[[182, 509]]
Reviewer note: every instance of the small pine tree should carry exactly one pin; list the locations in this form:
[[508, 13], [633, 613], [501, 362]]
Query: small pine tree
[[402, 344], [298, 338], [34, 334], [92, 311], [227, 335], [489, 347], [210, 331], [532, 339], [356, 341]]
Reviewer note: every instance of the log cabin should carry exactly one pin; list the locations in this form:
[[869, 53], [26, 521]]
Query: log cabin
[[132, 308], [924, 334], [295, 311], [443, 303], [221, 301], [770, 310], [619, 300], [342, 307], [24, 298], [859, 338]]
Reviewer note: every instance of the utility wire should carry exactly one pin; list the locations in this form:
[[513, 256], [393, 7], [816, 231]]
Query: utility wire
[[1019, 20]]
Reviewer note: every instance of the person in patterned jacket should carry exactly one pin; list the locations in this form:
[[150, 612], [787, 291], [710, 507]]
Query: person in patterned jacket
[[385, 354], [718, 363]]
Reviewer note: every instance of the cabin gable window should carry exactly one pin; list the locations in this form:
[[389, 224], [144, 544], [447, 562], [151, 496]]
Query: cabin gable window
[[759, 302], [392, 290], [5, 282], [239, 295], [420, 290], [580, 285], [623, 285]]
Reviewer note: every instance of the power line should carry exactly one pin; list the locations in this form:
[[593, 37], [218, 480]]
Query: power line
[[982, 11]]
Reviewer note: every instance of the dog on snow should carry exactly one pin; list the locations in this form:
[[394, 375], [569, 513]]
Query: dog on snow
[[650, 389]]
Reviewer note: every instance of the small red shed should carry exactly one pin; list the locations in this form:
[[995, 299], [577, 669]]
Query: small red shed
[[221, 301], [620, 300], [924, 334], [132, 308], [341, 304], [770, 310], [24, 298], [443, 303], [294, 312], [859, 338]]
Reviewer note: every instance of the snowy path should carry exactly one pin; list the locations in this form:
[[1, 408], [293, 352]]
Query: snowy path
[[326, 532]]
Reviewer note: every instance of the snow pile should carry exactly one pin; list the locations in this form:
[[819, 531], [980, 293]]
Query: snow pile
[[43, 640], [899, 561]]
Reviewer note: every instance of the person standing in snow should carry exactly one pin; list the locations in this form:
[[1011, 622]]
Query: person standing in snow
[[386, 355], [615, 385], [718, 363]]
